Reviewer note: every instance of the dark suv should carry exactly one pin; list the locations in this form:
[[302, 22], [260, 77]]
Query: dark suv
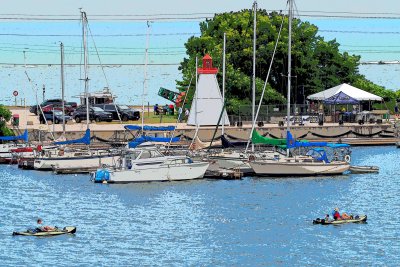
[[55, 115], [125, 112], [95, 114], [55, 102]]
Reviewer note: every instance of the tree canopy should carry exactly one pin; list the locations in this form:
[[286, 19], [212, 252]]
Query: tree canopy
[[5, 115], [317, 64]]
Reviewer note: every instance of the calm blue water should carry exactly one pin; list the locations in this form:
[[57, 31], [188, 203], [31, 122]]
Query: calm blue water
[[249, 222]]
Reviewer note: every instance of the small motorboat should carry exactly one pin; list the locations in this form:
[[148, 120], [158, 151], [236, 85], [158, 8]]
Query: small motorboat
[[56, 231], [364, 169], [355, 219]]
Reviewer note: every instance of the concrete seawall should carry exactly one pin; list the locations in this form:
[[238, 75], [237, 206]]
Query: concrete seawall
[[352, 133]]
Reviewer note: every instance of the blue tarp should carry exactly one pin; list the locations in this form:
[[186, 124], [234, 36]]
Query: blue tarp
[[84, 140], [149, 128], [144, 138], [23, 137], [340, 99]]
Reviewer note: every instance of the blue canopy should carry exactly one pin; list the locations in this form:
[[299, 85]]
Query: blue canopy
[[84, 140], [143, 138], [341, 99], [149, 128], [23, 137]]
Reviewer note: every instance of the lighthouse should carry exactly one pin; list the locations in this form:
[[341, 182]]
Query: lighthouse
[[207, 101]]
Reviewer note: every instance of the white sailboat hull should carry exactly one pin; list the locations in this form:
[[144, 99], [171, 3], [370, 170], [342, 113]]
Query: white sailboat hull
[[66, 163], [159, 172], [279, 168]]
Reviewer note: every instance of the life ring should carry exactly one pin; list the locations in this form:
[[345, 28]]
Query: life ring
[[252, 158], [347, 158]]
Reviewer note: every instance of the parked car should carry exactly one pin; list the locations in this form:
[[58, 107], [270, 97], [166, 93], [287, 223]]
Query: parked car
[[67, 108], [95, 114], [73, 104], [34, 108], [125, 112], [58, 117]]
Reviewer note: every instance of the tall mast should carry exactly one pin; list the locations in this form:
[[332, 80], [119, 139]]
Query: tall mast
[[223, 85], [196, 94], [289, 67], [62, 85], [253, 109], [145, 71], [85, 62]]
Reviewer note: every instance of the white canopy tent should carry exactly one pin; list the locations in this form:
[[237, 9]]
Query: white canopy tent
[[349, 90]]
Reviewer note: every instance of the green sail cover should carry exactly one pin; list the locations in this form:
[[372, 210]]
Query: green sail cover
[[256, 138]]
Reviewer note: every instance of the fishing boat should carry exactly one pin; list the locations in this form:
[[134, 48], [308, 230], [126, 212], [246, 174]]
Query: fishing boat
[[146, 163], [56, 231], [356, 219]]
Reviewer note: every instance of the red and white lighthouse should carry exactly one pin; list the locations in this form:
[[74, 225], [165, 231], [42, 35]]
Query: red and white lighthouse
[[207, 101]]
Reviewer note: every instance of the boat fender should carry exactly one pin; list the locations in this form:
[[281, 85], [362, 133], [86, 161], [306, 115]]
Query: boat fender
[[347, 158], [107, 175], [102, 175], [99, 176]]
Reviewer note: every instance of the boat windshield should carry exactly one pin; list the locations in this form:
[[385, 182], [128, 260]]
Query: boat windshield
[[134, 155], [147, 154]]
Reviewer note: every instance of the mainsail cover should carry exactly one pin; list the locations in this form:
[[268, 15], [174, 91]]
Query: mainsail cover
[[256, 138], [149, 128], [84, 140], [141, 139], [23, 137]]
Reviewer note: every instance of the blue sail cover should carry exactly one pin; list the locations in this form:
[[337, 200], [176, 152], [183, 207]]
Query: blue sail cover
[[23, 137], [144, 138], [84, 140], [341, 99], [292, 143], [149, 128]]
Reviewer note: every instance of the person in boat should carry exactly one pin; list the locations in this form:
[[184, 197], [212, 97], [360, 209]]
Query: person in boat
[[338, 216], [43, 228], [327, 218]]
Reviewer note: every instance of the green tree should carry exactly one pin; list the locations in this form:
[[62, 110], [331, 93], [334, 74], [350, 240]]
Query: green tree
[[5, 115], [316, 64]]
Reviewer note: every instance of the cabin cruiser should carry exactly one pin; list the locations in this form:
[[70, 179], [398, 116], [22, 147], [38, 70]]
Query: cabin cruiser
[[146, 163]]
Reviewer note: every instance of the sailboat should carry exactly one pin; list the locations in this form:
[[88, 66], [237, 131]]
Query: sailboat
[[290, 164], [6, 153], [67, 159]]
